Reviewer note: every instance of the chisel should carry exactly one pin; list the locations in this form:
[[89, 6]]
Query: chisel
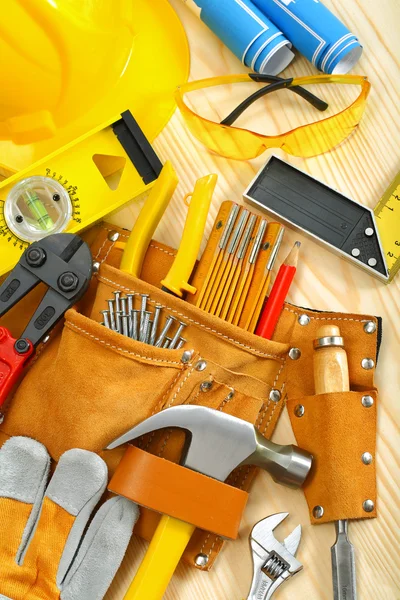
[[331, 374]]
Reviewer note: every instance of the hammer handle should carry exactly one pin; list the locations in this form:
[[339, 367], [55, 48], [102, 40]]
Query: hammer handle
[[161, 559]]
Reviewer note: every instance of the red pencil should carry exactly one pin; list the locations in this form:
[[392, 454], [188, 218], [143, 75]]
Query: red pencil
[[273, 308]]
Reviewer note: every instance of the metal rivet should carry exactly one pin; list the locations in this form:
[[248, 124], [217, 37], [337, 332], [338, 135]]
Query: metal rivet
[[201, 560], [367, 401], [318, 512], [206, 386], [219, 225], [275, 395], [299, 410], [369, 327], [46, 339], [186, 356], [96, 267], [369, 231], [372, 262], [367, 363], [294, 353], [230, 395], [355, 252], [201, 365], [113, 236], [368, 505], [367, 458], [304, 320]]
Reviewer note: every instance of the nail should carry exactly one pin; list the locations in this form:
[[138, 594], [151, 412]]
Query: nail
[[125, 325], [166, 342], [144, 298], [144, 326], [106, 318], [148, 332], [164, 331], [181, 343], [111, 311], [117, 301], [135, 319], [177, 335], [154, 327], [123, 302], [118, 320]]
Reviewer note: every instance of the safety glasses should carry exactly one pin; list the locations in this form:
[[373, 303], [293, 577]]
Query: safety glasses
[[305, 141]]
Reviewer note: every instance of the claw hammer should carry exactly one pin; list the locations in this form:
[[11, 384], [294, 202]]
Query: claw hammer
[[216, 443]]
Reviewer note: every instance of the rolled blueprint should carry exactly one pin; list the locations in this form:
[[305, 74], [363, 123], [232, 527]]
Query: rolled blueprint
[[315, 32], [242, 27]]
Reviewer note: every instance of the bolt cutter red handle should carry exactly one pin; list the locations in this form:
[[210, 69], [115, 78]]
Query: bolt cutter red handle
[[64, 264], [14, 354]]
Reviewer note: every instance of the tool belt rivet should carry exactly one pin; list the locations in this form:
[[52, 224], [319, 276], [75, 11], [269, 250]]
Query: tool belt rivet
[[369, 327], [186, 356], [304, 320], [201, 560], [206, 386], [201, 365], [275, 395], [113, 236], [368, 506], [367, 363], [299, 410], [367, 401], [367, 458], [294, 353], [318, 512]]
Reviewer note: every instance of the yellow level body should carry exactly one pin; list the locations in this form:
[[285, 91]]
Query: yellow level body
[[96, 172], [387, 214]]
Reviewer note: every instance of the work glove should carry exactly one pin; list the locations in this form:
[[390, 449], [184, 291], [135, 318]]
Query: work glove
[[42, 553]]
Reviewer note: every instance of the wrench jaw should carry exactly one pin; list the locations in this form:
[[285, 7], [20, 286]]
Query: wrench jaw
[[273, 562]]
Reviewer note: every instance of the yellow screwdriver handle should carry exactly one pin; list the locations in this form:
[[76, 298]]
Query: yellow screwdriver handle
[[162, 557], [148, 219], [178, 277]]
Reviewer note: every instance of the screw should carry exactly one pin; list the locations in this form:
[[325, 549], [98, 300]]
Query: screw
[[177, 335], [154, 327], [111, 312], [19, 218], [68, 282], [168, 323], [35, 257]]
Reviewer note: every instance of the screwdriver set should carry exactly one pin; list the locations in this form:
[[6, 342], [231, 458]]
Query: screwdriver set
[[234, 272], [141, 324]]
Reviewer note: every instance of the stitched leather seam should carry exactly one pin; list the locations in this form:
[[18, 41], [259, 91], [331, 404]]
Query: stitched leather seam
[[325, 318], [162, 250], [147, 358], [122, 287]]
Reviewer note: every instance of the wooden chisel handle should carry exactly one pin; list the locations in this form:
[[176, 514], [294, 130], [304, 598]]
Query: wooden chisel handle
[[331, 371], [161, 559]]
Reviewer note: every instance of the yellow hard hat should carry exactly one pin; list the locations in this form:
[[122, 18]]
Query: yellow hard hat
[[69, 65]]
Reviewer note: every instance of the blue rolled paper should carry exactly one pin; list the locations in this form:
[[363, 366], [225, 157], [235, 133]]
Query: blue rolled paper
[[250, 35], [315, 32]]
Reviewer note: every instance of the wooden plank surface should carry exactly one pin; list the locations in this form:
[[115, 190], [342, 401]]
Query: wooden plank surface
[[362, 167]]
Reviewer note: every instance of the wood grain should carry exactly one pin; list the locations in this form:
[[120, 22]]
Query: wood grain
[[362, 167]]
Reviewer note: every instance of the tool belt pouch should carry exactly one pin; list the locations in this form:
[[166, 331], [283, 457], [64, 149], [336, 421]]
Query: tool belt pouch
[[88, 385]]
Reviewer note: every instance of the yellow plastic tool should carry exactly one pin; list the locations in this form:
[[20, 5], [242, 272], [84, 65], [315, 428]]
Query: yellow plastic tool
[[149, 217], [177, 279], [162, 557], [106, 57]]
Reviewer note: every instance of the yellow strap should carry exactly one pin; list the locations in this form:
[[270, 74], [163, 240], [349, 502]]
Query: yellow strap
[[177, 279], [149, 217], [162, 557]]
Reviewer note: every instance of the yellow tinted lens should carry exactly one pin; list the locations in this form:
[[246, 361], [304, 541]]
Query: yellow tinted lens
[[225, 141], [322, 136]]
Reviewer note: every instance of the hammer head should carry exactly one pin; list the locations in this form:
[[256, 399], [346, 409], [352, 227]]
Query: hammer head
[[216, 443]]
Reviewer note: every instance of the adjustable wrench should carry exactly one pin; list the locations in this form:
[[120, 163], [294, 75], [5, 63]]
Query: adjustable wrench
[[273, 562]]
